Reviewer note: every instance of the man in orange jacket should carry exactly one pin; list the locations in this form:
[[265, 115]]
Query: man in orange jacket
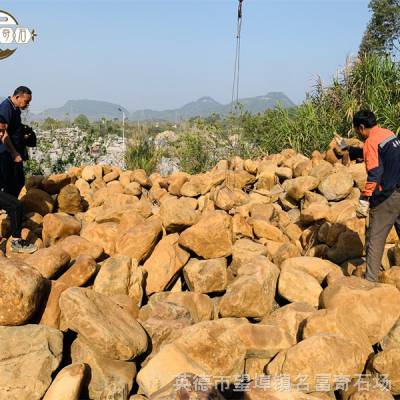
[[380, 198]]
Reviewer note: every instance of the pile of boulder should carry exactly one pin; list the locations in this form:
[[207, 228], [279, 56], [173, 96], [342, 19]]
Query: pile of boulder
[[241, 282]]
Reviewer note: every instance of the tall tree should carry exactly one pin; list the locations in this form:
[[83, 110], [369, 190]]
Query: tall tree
[[383, 32]]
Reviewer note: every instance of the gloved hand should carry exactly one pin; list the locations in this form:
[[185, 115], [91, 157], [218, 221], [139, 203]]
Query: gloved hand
[[341, 142], [363, 208]]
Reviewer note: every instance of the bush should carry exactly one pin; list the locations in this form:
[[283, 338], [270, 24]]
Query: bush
[[141, 154]]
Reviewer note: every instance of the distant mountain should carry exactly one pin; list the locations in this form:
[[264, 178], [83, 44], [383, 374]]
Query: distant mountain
[[205, 106], [93, 109]]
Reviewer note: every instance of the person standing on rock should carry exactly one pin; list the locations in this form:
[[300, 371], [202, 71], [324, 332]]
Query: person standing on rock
[[13, 206], [11, 157], [380, 199]]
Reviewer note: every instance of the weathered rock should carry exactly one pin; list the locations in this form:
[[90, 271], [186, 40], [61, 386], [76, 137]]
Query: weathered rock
[[193, 387], [210, 348], [348, 246], [243, 251], [263, 229], [36, 200], [133, 188], [392, 339], [167, 259], [77, 246], [69, 200], [297, 187], [298, 286], [291, 319], [21, 290], [206, 276], [79, 272], [336, 186], [54, 183], [48, 262], [120, 275], [59, 226], [68, 383], [211, 237], [140, 176], [319, 269], [34, 222], [199, 305], [139, 241], [92, 172], [110, 379], [334, 355], [164, 322], [374, 306], [252, 292], [104, 235], [391, 276], [28, 356], [52, 313], [109, 329], [387, 363], [337, 323]]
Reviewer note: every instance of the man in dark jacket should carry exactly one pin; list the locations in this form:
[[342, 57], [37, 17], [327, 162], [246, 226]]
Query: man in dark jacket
[[13, 206], [11, 157]]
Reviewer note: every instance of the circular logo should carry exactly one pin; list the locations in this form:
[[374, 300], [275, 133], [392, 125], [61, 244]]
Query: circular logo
[[12, 35]]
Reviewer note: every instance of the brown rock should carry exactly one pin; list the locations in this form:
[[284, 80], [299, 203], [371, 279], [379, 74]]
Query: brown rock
[[374, 306], [387, 363], [28, 356], [48, 261], [199, 305], [20, 292], [164, 264], [321, 354], [77, 246], [177, 214], [36, 200], [297, 187], [252, 292], [263, 229], [211, 237], [108, 328], [120, 275], [59, 226], [291, 319], [391, 276], [336, 186], [210, 348], [243, 251], [139, 242], [176, 181], [298, 286], [103, 235], [80, 272], [68, 383], [69, 200], [133, 188], [52, 312], [206, 276], [54, 183], [140, 176], [109, 379]]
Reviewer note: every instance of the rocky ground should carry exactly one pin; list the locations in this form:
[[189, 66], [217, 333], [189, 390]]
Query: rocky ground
[[243, 282]]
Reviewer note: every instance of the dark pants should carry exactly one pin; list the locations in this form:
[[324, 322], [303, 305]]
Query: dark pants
[[14, 210], [382, 218], [11, 174]]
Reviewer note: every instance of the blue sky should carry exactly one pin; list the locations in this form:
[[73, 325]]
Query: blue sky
[[164, 53]]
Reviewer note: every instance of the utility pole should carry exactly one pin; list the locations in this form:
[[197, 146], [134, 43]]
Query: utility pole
[[123, 137]]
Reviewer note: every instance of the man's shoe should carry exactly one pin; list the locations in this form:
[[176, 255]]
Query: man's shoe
[[23, 246]]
